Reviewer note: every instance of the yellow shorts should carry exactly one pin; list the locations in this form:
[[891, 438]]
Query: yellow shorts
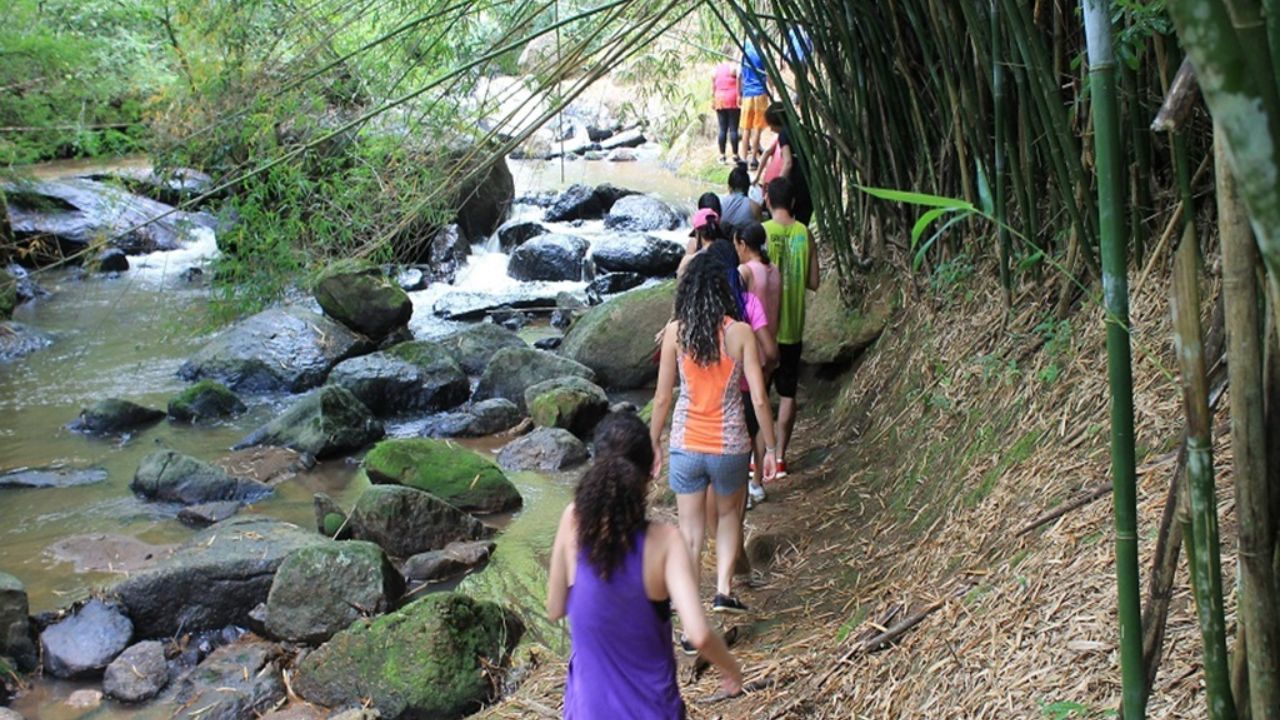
[[753, 112]]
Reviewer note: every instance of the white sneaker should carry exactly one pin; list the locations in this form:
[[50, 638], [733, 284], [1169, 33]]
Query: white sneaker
[[756, 492]]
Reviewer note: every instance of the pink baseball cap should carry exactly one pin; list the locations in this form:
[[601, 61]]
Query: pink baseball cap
[[703, 217]]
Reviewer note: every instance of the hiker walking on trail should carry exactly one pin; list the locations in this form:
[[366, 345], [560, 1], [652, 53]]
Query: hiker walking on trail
[[616, 576], [738, 209], [755, 100], [783, 160], [709, 350], [764, 283], [724, 100]]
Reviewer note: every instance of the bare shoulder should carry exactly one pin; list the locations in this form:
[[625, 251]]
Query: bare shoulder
[[569, 517]]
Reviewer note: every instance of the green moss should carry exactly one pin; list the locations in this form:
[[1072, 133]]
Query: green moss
[[207, 398], [333, 523], [616, 339], [570, 402], [425, 354], [463, 478], [8, 294], [835, 332]]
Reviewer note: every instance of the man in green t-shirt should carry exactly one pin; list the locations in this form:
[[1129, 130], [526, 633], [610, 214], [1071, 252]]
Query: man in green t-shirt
[[791, 249]]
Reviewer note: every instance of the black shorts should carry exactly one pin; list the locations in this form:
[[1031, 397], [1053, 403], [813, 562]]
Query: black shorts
[[787, 376], [749, 410]]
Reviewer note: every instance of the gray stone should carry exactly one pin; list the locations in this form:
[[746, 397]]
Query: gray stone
[[361, 297], [475, 346], [614, 283], [407, 377], [18, 340], [320, 590], [169, 476], [517, 232], [626, 138], [15, 628], [642, 213], [550, 257], [111, 260], [456, 558], [52, 477], [570, 402], [512, 370], [637, 253], [84, 643], [328, 422], [206, 514], [235, 682], [405, 521], [331, 519], [114, 416], [140, 673], [205, 399], [616, 339], [547, 449]]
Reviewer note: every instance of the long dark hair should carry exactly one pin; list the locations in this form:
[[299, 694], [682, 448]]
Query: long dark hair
[[739, 178], [753, 235], [610, 499], [722, 251], [703, 300]]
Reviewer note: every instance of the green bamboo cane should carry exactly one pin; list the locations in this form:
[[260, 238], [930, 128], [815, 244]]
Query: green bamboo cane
[[1115, 285], [997, 180]]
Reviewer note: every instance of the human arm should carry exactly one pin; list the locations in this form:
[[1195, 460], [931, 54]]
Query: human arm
[[764, 160], [767, 345], [742, 337], [662, 395], [813, 279], [558, 573], [756, 212], [787, 159], [683, 590]]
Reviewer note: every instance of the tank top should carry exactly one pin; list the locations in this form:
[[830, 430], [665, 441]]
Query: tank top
[[708, 416], [619, 670], [725, 83], [736, 210], [766, 285]]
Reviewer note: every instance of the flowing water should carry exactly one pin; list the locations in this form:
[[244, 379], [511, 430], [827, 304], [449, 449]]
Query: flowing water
[[126, 336]]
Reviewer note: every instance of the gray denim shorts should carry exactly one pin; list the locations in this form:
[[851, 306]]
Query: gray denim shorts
[[691, 472]]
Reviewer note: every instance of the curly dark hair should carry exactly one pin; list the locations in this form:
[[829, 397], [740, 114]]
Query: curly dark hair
[[623, 434], [703, 301], [610, 499]]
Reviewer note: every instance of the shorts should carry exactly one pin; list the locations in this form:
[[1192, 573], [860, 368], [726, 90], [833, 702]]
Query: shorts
[[787, 376], [690, 472], [753, 112]]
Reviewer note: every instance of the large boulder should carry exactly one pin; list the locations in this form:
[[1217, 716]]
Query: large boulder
[[461, 477], [613, 283], [205, 399], [485, 200], [140, 673], [15, 628], [642, 213], [456, 558], [547, 449], [615, 339], [169, 476], [580, 202], [364, 299], [517, 232], [430, 659], [325, 423], [170, 186], [114, 416], [487, 417], [82, 644], [512, 370], [405, 521], [474, 346], [837, 333], [236, 681], [18, 340], [289, 348], [445, 254], [549, 257], [633, 252], [417, 375], [214, 579], [320, 590], [570, 402]]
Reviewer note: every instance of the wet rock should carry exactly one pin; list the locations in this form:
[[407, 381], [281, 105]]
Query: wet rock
[[18, 340], [206, 514], [512, 370], [84, 643], [107, 553], [547, 449], [140, 673], [192, 275], [361, 297], [270, 465], [616, 338], [427, 660], [52, 477], [170, 187], [205, 399], [22, 283], [411, 279], [579, 202], [538, 198], [549, 257], [517, 232], [114, 416], [463, 478], [614, 283], [111, 260], [562, 320], [235, 682], [288, 348], [485, 200], [448, 425], [621, 155], [331, 519], [84, 699], [320, 590], [494, 416], [626, 138], [643, 254], [447, 253], [455, 559], [509, 318], [214, 579], [548, 343], [593, 155], [169, 476], [8, 294], [405, 521], [570, 301], [642, 213], [476, 345], [409, 376], [599, 134], [572, 403], [467, 305], [15, 628], [328, 422]]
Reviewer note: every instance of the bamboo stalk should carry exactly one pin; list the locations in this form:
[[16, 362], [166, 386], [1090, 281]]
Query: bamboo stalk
[[997, 175]]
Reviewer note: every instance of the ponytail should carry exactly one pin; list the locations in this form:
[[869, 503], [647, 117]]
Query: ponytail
[[610, 499], [753, 235]]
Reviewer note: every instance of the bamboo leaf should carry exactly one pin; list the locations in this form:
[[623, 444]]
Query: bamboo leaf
[[918, 260], [923, 223], [913, 198]]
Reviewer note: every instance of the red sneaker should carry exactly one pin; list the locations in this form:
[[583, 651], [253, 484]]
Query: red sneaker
[[782, 469]]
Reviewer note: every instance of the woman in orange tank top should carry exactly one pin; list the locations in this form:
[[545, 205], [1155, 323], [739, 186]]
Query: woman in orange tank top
[[710, 351]]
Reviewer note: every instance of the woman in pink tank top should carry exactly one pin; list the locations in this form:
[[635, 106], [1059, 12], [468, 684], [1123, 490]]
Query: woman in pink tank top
[[763, 282], [724, 100]]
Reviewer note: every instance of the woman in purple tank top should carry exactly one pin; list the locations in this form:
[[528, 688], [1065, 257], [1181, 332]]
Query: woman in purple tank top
[[616, 576]]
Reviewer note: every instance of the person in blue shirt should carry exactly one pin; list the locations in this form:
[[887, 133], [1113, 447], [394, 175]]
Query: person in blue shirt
[[753, 80]]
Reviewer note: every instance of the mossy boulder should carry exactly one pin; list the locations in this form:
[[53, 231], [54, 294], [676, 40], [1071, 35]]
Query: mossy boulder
[[15, 627], [615, 339], [512, 370], [407, 377], [114, 416], [318, 591], [361, 297], [331, 519], [405, 521], [169, 476], [473, 347], [205, 399], [328, 422], [572, 403], [429, 659], [8, 294], [837, 333], [463, 478]]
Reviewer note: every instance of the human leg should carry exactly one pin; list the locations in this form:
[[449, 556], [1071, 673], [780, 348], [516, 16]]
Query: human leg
[[728, 478], [688, 479], [722, 116], [735, 117], [787, 380]]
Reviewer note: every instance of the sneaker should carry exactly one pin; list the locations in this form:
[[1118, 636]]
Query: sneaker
[[754, 164], [781, 466], [687, 646], [736, 159], [723, 160], [755, 493], [727, 604]]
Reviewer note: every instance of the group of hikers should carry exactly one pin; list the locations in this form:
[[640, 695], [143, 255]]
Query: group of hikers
[[735, 332]]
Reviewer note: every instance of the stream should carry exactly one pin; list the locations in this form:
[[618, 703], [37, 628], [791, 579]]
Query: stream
[[126, 336]]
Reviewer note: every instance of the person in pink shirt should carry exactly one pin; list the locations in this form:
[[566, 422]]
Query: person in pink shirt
[[763, 283], [724, 99]]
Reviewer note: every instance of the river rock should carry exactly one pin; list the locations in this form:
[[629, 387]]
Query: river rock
[[111, 260], [113, 417], [570, 402], [616, 339], [626, 138], [107, 553], [417, 375], [446, 253], [549, 257], [85, 642], [170, 187], [621, 155], [485, 200], [52, 477], [325, 423], [547, 343], [331, 519], [642, 213], [461, 477], [15, 627], [614, 283], [578, 202], [361, 297], [320, 590], [169, 476], [206, 514], [237, 681], [547, 449], [17, 340], [405, 521], [214, 579], [24, 283], [411, 279], [427, 660], [512, 370], [517, 232], [140, 673], [288, 348], [632, 252], [476, 345], [205, 399], [487, 417], [455, 559], [8, 294]]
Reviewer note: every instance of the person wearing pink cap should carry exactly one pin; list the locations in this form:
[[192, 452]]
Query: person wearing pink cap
[[706, 230]]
